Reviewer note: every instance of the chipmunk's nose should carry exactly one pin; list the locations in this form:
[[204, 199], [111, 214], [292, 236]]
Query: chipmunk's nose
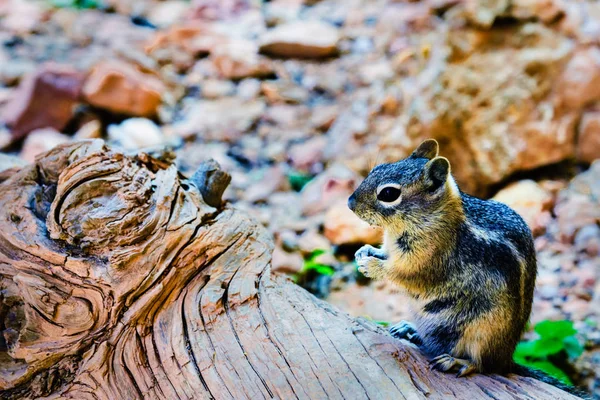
[[352, 202]]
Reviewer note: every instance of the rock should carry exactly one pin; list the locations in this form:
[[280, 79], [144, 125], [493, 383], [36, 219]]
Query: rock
[[531, 201], [500, 109], [576, 308], [577, 205], [136, 133], [588, 140], [218, 10], [249, 89], [582, 21], [121, 88], [322, 117], [301, 39], [214, 89], [342, 226], [222, 119], [284, 92], [545, 10], [91, 130], [272, 179], [40, 141], [329, 187], [193, 39], [238, 59], [51, 84], [311, 240], [304, 155], [588, 240], [21, 16], [289, 263], [581, 79], [165, 14], [9, 165]]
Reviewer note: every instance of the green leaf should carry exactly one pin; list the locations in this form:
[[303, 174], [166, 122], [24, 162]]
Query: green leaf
[[385, 324], [298, 180], [311, 264], [555, 329], [524, 350], [315, 253], [544, 347], [573, 347]]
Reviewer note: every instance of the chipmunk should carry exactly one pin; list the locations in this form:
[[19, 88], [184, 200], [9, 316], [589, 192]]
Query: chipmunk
[[468, 265]]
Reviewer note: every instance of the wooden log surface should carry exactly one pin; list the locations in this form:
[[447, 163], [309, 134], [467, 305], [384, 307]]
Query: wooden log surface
[[118, 281]]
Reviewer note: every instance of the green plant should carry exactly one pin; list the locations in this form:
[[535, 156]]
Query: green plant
[[298, 180], [555, 337], [79, 4], [310, 264]]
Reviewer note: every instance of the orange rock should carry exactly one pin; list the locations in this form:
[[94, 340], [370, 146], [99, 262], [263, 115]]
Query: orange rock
[[303, 39], [50, 84], [588, 141], [120, 88], [581, 79], [342, 226]]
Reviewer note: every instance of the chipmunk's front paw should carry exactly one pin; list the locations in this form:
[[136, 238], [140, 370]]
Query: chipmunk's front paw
[[368, 264], [406, 330], [369, 251]]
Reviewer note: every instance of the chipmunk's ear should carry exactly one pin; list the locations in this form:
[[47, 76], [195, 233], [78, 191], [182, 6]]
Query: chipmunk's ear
[[428, 149], [436, 172]]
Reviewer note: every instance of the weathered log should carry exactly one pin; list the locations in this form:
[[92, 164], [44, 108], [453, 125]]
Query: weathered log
[[119, 281]]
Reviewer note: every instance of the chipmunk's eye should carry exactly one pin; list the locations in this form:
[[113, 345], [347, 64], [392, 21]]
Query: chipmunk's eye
[[388, 194]]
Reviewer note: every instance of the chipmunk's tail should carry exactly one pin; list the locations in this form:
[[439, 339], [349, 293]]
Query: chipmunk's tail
[[542, 376]]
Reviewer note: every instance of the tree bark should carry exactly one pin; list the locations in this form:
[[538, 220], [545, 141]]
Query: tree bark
[[119, 281]]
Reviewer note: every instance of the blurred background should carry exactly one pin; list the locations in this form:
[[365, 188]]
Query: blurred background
[[299, 99]]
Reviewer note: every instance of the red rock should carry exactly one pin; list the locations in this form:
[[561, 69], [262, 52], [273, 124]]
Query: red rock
[[342, 226], [302, 39], [121, 88], [29, 108], [588, 140], [40, 141], [581, 79]]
